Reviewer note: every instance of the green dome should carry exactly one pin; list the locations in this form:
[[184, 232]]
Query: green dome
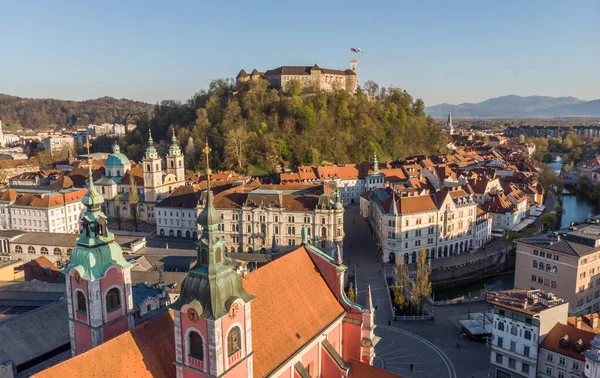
[[117, 160]]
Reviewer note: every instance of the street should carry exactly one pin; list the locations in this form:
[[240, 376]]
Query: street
[[434, 348]]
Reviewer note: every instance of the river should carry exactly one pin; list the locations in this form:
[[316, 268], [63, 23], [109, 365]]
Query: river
[[575, 210]]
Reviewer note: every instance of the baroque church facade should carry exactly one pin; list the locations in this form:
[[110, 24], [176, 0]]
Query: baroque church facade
[[151, 182], [289, 318]]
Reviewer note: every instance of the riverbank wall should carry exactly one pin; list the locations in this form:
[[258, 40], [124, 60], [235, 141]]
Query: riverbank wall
[[459, 275]]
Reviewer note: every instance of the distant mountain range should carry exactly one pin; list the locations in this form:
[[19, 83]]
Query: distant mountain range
[[513, 106]]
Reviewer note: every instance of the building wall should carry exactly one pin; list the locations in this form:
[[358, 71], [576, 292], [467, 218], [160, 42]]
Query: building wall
[[252, 229], [551, 363], [575, 279]]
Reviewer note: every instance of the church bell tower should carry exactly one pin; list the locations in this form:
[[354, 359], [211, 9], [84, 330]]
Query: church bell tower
[[98, 281], [152, 166], [212, 315], [175, 161]]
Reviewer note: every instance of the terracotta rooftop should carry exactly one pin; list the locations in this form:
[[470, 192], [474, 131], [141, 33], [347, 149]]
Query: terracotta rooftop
[[146, 351], [291, 298], [568, 341], [361, 370]]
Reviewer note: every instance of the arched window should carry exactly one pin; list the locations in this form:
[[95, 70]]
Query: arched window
[[30, 249], [147, 167], [196, 346], [57, 252], [113, 300], [44, 251], [554, 269], [171, 233], [535, 264], [162, 232], [180, 163], [548, 267], [81, 306], [234, 343], [18, 249], [69, 251]]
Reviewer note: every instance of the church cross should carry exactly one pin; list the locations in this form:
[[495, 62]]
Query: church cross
[[206, 151], [88, 145]]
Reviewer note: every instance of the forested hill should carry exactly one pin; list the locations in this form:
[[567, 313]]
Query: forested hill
[[45, 112], [253, 129]]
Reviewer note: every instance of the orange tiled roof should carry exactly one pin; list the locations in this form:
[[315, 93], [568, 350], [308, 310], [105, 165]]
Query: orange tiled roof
[[552, 340], [361, 370], [146, 351], [342, 171], [291, 297]]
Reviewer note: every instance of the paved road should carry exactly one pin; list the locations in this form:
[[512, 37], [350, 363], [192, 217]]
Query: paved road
[[430, 346]]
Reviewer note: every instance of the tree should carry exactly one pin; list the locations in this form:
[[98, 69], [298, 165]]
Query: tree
[[117, 203], [402, 285], [548, 220], [133, 200], [568, 167], [422, 285], [371, 87], [549, 179], [236, 145], [350, 293], [190, 153]]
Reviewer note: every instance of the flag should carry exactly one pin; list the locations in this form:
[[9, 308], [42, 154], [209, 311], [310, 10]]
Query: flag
[[359, 50], [354, 50]]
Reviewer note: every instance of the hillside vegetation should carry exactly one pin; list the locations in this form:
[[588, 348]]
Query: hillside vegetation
[[46, 112], [254, 129]]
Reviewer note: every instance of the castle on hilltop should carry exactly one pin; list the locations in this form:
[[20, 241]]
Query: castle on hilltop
[[309, 76]]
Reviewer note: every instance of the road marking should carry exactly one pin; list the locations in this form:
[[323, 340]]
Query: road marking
[[393, 358], [386, 348], [445, 359], [391, 352]]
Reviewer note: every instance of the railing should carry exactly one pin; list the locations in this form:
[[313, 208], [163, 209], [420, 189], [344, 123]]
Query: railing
[[234, 357], [81, 316], [196, 363]]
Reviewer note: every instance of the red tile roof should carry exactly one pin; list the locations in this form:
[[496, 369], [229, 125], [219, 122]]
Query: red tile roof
[[552, 340], [146, 351], [361, 370], [291, 298]]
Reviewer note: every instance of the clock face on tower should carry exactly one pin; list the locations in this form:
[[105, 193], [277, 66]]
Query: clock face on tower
[[234, 310], [193, 315]]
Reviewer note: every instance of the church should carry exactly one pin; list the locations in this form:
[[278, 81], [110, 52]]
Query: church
[[151, 182], [289, 318]]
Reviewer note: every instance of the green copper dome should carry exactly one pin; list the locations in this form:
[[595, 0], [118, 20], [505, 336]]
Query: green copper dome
[[117, 160]]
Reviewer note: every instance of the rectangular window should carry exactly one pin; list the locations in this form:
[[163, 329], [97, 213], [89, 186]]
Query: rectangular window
[[526, 351], [527, 335], [525, 368], [500, 342], [548, 371], [498, 358], [513, 346], [512, 363], [550, 357], [561, 374], [562, 361]]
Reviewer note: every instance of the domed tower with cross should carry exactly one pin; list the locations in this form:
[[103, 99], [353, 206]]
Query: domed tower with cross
[[152, 166], [212, 315], [175, 161], [98, 281]]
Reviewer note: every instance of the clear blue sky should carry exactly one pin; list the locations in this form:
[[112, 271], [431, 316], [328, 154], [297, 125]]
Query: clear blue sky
[[444, 51]]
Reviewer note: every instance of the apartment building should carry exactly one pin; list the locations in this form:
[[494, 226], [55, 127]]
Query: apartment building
[[257, 218], [521, 320], [566, 262], [442, 222], [55, 143], [41, 210], [563, 352]]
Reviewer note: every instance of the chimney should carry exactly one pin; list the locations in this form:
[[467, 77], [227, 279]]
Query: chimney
[[578, 322]]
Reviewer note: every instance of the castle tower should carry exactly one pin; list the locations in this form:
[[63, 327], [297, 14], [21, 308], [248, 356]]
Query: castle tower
[[354, 66], [152, 166], [175, 161], [212, 315], [98, 281]]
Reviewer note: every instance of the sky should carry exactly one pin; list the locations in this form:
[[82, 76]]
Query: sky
[[440, 51]]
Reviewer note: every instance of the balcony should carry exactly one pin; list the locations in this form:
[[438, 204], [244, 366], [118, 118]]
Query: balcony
[[81, 316], [196, 363], [234, 357]]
